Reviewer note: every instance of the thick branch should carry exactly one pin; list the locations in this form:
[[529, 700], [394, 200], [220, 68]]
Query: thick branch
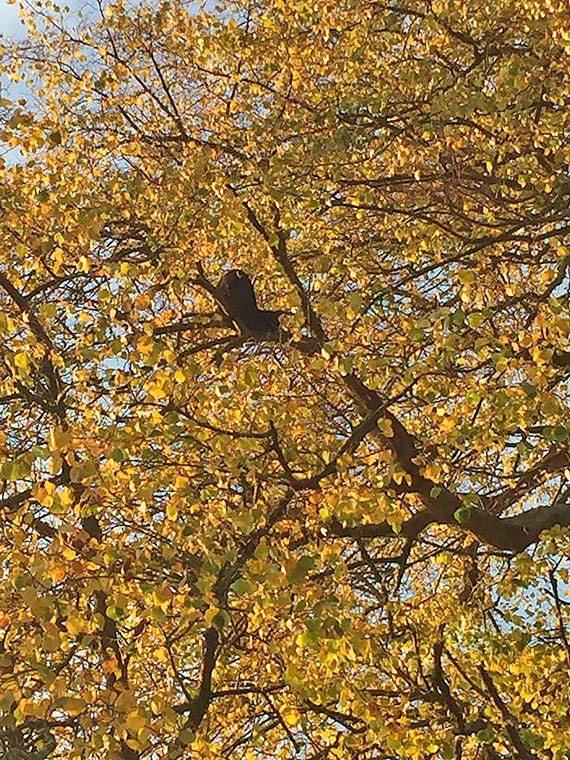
[[198, 707], [522, 752], [23, 304], [511, 534]]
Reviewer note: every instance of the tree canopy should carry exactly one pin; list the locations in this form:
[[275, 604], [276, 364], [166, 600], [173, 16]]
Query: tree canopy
[[344, 541]]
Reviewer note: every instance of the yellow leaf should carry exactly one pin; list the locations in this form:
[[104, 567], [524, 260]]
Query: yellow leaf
[[76, 624], [171, 511], [385, 427], [145, 345], [51, 641], [157, 391], [157, 704], [135, 721], [72, 705], [66, 496], [83, 264], [291, 716], [58, 572], [210, 614], [59, 438], [110, 665], [432, 471], [126, 701], [22, 360]]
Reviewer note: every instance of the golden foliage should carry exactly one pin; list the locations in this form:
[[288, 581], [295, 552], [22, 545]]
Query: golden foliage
[[347, 542]]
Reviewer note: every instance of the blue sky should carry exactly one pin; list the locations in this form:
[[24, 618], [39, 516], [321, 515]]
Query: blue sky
[[10, 26], [9, 21]]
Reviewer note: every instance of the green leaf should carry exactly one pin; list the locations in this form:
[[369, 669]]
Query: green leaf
[[475, 319], [416, 334], [16, 469], [458, 317], [114, 613], [221, 619], [466, 276], [187, 736], [530, 389], [301, 568], [462, 515], [54, 138], [241, 587]]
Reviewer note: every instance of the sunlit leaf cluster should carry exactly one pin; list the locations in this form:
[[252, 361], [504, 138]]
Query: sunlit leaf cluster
[[347, 541]]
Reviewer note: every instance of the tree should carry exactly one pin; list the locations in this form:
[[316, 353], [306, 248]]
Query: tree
[[348, 540]]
